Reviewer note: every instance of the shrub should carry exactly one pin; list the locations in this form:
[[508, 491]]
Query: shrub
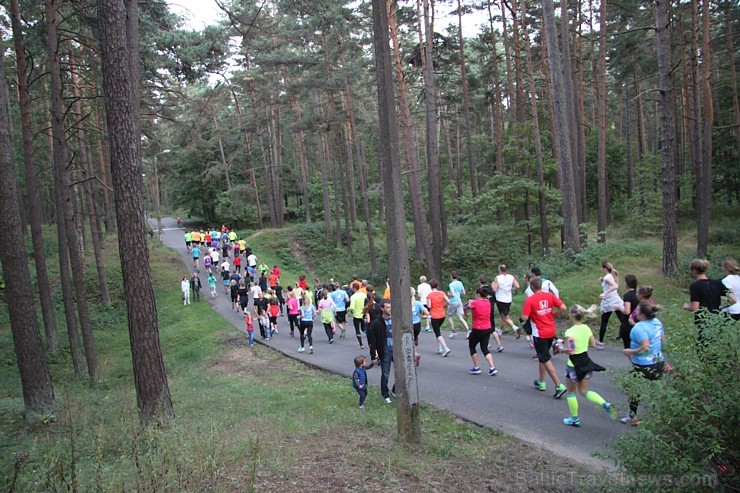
[[690, 424]]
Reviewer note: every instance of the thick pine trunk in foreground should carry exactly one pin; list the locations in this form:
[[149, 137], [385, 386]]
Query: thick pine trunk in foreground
[[38, 392], [120, 82]]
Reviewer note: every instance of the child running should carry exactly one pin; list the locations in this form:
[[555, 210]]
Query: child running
[[273, 311], [212, 284], [579, 367], [359, 379], [250, 328]]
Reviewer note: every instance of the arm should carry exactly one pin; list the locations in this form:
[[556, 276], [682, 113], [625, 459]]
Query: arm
[[570, 345], [559, 310], [691, 306], [613, 286], [627, 308], [494, 285], [424, 313], [516, 284], [644, 348]]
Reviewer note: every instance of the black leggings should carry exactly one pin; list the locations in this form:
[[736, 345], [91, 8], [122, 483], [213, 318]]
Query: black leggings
[[329, 331], [436, 325], [306, 328], [479, 336], [605, 320], [650, 372], [293, 321], [358, 326]]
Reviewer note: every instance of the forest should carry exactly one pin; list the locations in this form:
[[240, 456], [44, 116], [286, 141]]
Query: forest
[[526, 140]]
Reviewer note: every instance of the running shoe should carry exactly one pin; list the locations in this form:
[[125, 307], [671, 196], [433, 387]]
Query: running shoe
[[268, 338], [575, 422], [630, 420], [360, 347], [610, 410], [559, 391], [331, 340], [517, 332], [428, 329], [417, 359], [310, 349], [301, 349], [492, 371], [500, 349], [453, 335], [440, 350], [388, 400], [541, 386], [362, 406], [599, 345], [474, 371], [448, 351], [490, 346], [274, 331]]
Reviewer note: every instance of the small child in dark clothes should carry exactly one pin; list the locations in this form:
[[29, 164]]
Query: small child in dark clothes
[[359, 379]]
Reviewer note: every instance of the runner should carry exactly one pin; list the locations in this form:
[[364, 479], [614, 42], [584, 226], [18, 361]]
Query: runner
[[645, 352], [251, 265], [424, 289], [578, 370], [293, 307], [437, 302], [481, 310], [340, 299], [234, 293], [542, 308], [491, 297], [273, 311], [630, 305], [357, 309], [188, 239], [328, 309], [418, 311], [503, 285], [238, 263], [306, 325], [196, 256], [610, 300], [260, 308], [243, 292], [456, 290], [732, 282], [705, 293], [212, 284]]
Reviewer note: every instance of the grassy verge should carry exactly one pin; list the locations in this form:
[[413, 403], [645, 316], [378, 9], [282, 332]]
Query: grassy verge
[[247, 419]]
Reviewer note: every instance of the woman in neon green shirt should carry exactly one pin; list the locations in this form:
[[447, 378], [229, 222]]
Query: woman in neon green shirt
[[579, 368]]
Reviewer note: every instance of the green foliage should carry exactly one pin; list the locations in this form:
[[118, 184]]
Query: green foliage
[[690, 425]]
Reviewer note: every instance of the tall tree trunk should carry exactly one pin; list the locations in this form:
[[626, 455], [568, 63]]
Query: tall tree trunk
[[550, 105], [466, 105], [408, 409], [509, 71], [86, 165], [421, 232], [668, 133], [300, 140], [498, 122], [436, 200], [35, 214], [732, 178], [120, 61], [571, 236], [38, 391], [705, 186], [109, 219], [65, 195], [601, 103], [570, 110], [628, 141], [222, 154], [248, 160], [324, 169], [544, 232]]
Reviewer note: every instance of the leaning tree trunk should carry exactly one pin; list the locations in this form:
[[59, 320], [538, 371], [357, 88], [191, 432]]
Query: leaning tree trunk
[[35, 214], [118, 36], [65, 195], [571, 237], [38, 391], [668, 133]]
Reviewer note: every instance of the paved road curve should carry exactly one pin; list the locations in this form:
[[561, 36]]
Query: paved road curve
[[507, 401]]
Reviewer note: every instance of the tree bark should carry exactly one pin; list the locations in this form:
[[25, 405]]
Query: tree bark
[[38, 391], [732, 181], [436, 199], [571, 236], [408, 410], [668, 133], [300, 140], [601, 104], [248, 161], [66, 195], [466, 105], [35, 214], [544, 231], [324, 169], [118, 25], [705, 186], [85, 162], [421, 232], [498, 122]]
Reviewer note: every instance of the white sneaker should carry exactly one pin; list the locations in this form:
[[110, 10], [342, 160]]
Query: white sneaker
[[388, 400], [453, 335], [440, 350]]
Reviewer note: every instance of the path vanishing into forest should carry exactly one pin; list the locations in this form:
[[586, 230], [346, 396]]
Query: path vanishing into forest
[[507, 402]]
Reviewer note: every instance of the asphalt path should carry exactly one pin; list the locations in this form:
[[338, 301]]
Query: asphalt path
[[508, 401]]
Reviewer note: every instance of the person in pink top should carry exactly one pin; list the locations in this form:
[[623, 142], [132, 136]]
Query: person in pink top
[[276, 271], [293, 309], [482, 330]]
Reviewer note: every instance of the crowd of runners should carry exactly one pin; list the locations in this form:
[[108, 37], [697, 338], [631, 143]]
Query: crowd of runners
[[341, 307]]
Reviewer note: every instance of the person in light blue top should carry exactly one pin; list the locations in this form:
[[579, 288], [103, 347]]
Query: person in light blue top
[[418, 311], [645, 352], [455, 291], [340, 299], [305, 327]]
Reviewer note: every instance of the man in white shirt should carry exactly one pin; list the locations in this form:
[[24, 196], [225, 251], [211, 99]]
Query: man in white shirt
[[503, 285]]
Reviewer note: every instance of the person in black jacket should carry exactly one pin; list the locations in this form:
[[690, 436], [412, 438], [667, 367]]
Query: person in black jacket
[[380, 339], [195, 286]]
